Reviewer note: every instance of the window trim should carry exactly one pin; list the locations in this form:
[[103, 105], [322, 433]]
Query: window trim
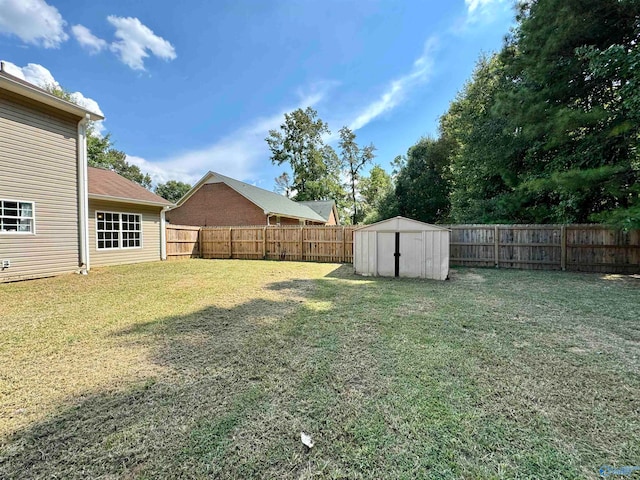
[[32, 218], [120, 239]]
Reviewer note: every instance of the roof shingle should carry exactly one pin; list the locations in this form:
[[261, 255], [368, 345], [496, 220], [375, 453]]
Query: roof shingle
[[109, 184]]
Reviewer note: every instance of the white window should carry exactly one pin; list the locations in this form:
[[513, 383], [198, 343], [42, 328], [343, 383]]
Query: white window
[[17, 217], [118, 230]]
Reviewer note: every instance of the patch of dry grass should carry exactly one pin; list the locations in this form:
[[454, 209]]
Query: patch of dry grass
[[210, 369]]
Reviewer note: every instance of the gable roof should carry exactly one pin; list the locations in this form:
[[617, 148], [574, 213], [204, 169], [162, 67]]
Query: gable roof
[[26, 89], [271, 203], [322, 208], [108, 185], [400, 224]]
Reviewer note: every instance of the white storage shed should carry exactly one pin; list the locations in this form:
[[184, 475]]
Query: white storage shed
[[401, 247]]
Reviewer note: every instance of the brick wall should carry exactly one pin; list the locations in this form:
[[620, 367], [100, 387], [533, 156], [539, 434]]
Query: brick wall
[[332, 219], [217, 204]]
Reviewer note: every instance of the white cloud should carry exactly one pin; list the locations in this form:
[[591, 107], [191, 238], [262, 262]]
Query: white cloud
[[235, 155], [135, 40], [32, 73], [88, 40], [33, 21], [482, 9], [42, 77], [398, 88]]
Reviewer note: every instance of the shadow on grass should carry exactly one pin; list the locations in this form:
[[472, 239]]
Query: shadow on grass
[[395, 378], [217, 363]]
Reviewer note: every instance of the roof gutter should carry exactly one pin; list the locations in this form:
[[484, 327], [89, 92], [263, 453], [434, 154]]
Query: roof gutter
[[41, 96], [286, 215], [96, 196], [83, 195]]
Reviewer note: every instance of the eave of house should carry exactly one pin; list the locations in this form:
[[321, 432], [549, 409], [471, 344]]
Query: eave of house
[[109, 198], [32, 92]]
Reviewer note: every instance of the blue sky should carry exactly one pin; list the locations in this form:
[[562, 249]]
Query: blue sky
[[188, 87]]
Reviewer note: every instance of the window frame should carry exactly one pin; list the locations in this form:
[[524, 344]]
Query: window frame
[[120, 231], [32, 217]]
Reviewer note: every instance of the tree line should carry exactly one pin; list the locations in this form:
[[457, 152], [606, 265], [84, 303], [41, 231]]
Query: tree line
[[545, 131]]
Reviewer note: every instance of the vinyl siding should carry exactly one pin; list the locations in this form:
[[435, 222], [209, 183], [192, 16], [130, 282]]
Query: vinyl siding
[[150, 250], [38, 163]]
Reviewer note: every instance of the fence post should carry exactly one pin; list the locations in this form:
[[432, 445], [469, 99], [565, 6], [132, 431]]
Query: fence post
[[230, 244], [563, 247], [264, 243], [199, 241], [496, 246], [301, 243], [344, 246]]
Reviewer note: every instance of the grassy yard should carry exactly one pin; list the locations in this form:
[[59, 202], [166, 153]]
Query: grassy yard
[[211, 369]]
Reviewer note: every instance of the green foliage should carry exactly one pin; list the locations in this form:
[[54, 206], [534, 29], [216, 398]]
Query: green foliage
[[548, 129], [354, 159], [376, 191], [58, 91], [100, 150], [315, 166], [484, 151], [173, 190], [283, 185], [422, 189], [101, 154]]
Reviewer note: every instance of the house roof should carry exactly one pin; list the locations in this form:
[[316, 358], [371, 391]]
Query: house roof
[[321, 207], [108, 185], [271, 203], [26, 89]]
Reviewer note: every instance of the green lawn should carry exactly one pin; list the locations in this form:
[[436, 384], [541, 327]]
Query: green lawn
[[211, 369]]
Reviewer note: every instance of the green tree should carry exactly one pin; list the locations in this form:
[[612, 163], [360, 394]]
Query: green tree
[[354, 159], [172, 190], [101, 154], [100, 150], [581, 138], [422, 189], [283, 185], [485, 151], [376, 191], [299, 143]]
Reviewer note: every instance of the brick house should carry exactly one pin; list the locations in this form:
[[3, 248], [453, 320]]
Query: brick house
[[327, 209], [218, 200]]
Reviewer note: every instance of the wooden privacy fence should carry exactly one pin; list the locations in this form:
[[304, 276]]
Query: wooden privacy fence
[[298, 243], [587, 248]]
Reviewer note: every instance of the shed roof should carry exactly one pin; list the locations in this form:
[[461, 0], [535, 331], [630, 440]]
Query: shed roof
[[17, 85], [321, 207], [271, 203], [108, 185], [400, 224]]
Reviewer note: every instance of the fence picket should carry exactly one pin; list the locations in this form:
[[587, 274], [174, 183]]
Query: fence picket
[[588, 248]]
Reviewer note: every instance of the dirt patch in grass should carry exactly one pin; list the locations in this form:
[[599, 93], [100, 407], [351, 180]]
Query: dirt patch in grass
[[211, 369]]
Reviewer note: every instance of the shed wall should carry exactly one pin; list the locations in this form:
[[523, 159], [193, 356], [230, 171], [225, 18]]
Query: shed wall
[[424, 253], [38, 163]]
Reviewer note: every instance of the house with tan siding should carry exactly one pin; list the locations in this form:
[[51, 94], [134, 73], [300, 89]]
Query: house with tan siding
[[126, 221], [48, 218], [218, 200]]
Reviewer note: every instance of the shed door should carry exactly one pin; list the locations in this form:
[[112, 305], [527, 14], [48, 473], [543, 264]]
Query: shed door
[[411, 249], [385, 259]]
